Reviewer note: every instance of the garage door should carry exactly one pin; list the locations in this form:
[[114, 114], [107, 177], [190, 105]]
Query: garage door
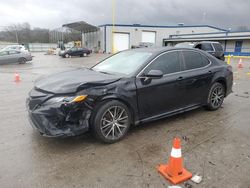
[[148, 36], [121, 41]]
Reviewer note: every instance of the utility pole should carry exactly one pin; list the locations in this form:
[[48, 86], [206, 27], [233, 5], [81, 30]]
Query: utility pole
[[113, 26], [17, 41]]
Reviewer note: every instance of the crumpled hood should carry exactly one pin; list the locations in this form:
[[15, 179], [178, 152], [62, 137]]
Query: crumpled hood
[[72, 81]]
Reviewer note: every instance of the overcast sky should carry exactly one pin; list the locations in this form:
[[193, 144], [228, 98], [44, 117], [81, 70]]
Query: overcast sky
[[52, 14]]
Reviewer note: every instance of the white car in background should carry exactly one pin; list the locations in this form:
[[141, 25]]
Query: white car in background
[[14, 56], [15, 47]]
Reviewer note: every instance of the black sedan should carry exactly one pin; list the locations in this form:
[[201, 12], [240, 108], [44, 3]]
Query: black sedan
[[75, 51], [128, 88]]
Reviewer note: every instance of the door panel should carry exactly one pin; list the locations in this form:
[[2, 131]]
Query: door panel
[[14, 56], [196, 84], [157, 96], [4, 57], [196, 77], [160, 95]]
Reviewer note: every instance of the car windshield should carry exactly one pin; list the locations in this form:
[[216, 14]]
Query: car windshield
[[127, 62]]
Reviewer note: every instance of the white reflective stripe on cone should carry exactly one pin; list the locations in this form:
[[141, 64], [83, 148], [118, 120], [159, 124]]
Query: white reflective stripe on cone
[[176, 153]]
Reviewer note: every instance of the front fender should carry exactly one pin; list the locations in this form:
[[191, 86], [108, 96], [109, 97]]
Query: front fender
[[123, 90]]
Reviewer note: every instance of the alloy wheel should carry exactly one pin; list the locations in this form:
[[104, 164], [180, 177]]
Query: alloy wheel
[[217, 97], [22, 61], [114, 122]]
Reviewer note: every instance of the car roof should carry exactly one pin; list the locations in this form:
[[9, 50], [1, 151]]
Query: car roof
[[208, 42], [159, 50], [14, 45]]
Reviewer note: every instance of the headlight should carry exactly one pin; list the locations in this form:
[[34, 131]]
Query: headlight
[[76, 99]]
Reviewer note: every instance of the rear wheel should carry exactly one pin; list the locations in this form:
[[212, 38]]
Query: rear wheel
[[216, 96], [111, 122], [22, 60], [84, 54]]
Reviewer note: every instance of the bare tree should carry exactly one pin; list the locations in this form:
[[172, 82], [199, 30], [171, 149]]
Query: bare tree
[[22, 33], [242, 28]]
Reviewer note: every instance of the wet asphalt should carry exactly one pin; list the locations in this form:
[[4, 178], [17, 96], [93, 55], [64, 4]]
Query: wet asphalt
[[215, 144]]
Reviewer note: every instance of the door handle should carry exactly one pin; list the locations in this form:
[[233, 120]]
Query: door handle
[[210, 72], [180, 78]]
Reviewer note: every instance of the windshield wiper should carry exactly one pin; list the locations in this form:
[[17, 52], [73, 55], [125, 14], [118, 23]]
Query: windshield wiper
[[104, 72]]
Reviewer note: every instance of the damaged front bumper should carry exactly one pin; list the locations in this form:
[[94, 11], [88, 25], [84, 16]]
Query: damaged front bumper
[[59, 119]]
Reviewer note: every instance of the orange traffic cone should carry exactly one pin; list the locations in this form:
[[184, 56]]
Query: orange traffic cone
[[240, 65], [174, 171], [17, 77]]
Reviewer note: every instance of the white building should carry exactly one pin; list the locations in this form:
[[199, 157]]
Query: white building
[[121, 37], [126, 36]]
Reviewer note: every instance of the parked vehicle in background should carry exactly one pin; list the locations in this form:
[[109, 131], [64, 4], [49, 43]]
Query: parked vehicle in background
[[213, 48], [143, 45], [75, 51], [128, 88], [14, 56], [15, 47], [184, 45]]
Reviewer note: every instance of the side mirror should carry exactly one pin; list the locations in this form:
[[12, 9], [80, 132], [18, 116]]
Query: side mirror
[[154, 74]]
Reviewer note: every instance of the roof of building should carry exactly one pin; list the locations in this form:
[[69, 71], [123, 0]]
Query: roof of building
[[161, 26], [82, 26]]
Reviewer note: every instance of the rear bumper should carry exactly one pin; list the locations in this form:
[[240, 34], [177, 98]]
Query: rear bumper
[[229, 81]]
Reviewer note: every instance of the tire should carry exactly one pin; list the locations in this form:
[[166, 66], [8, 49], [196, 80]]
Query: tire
[[22, 60], [84, 54], [106, 125], [216, 96], [67, 55]]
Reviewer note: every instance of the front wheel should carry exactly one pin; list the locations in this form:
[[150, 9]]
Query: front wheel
[[216, 96], [111, 122], [22, 60]]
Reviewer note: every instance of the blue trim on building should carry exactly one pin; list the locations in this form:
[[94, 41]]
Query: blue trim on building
[[160, 26], [237, 53], [199, 34], [215, 37], [226, 33]]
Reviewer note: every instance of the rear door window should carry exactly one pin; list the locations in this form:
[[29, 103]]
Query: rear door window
[[205, 60], [167, 63], [218, 47], [14, 52], [193, 60], [207, 47], [74, 49]]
